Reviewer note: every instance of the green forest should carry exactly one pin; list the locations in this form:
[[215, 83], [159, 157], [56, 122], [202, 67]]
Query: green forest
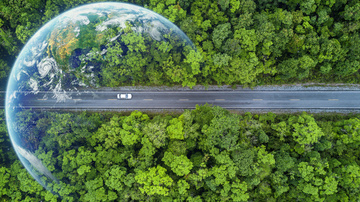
[[209, 153], [246, 42], [205, 154]]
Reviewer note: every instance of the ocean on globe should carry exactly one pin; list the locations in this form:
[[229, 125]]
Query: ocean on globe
[[84, 49]]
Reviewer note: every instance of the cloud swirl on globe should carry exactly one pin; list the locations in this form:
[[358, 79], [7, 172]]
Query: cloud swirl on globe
[[82, 50]]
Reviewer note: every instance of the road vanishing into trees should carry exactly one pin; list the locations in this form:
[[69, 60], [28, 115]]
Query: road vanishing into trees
[[237, 99]]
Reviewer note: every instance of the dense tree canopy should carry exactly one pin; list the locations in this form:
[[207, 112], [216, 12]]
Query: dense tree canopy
[[206, 154], [246, 42], [200, 155]]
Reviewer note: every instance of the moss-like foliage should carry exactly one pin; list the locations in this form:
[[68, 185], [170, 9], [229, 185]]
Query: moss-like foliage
[[220, 156]]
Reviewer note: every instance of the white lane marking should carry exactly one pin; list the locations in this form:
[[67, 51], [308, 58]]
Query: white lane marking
[[112, 99], [183, 99], [148, 99], [77, 99], [294, 99], [333, 99], [219, 99], [257, 99], [41, 99]]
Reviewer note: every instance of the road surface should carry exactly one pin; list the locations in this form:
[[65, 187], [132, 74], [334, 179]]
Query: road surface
[[239, 99]]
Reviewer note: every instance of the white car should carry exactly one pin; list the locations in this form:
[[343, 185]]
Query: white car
[[124, 96]]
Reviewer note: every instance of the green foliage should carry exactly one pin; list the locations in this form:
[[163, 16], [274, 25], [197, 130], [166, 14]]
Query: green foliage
[[156, 132], [217, 155], [183, 187], [306, 131], [4, 69], [4, 181], [175, 129], [221, 32], [154, 181], [298, 68], [222, 131], [4, 141], [22, 16], [239, 191], [206, 154], [95, 191], [180, 165], [168, 9], [238, 42], [115, 177]]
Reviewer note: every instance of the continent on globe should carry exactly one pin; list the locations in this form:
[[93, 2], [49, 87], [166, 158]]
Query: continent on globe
[[84, 49]]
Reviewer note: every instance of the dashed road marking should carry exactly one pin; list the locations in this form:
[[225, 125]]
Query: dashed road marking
[[294, 99], [183, 99], [111, 99], [219, 99], [77, 99], [41, 99], [257, 99], [148, 99], [333, 99]]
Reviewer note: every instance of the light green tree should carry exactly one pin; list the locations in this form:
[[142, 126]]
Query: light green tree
[[154, 181], [175, 129], [114, 177], [306, 130], [239, 191], [180, 165]]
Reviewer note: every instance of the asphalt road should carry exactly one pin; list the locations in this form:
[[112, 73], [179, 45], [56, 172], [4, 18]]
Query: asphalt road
[[245, 99]]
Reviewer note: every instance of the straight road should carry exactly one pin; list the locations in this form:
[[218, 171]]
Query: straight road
[[239, 99]]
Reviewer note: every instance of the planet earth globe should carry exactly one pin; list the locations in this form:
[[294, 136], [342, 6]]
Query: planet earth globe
[[86, 48]]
